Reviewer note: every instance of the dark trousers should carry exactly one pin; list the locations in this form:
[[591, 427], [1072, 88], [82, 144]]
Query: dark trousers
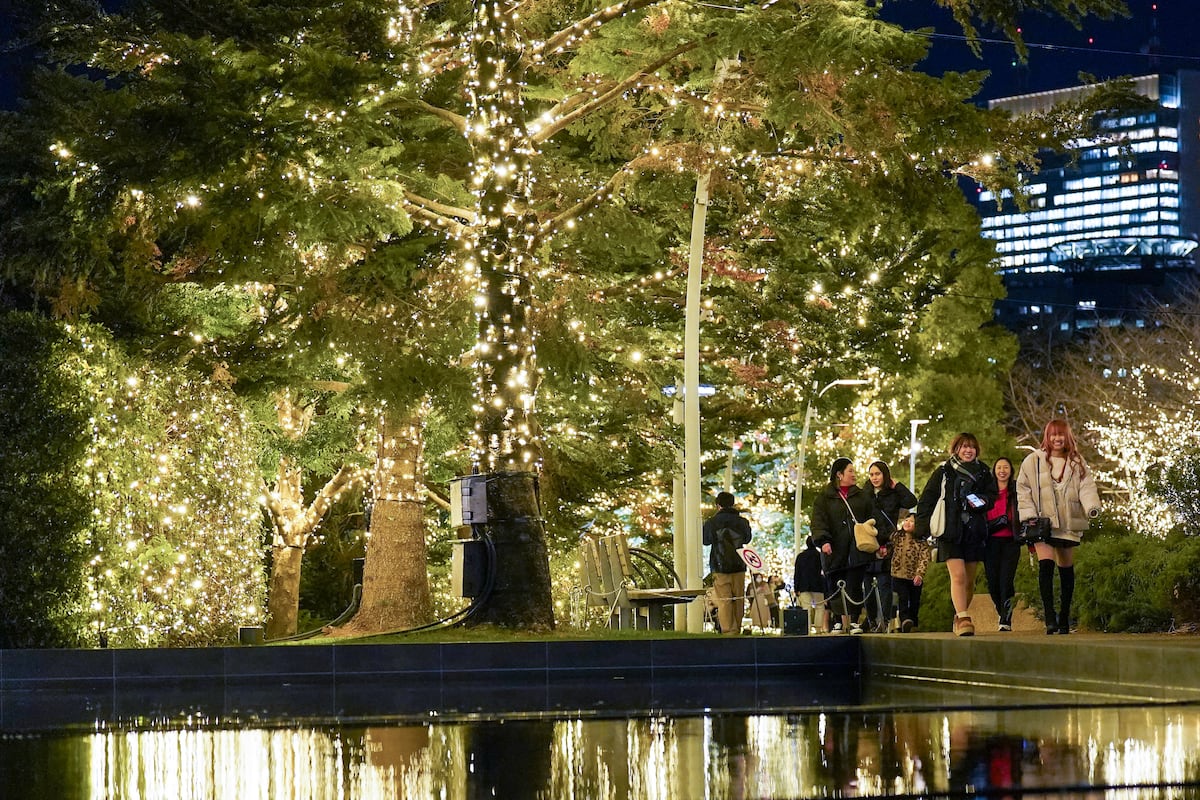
[[908, 598], [877, 589], [1000, 562], [849, 602]]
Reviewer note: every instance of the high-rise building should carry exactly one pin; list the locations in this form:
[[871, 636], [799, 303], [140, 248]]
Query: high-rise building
[[1109, 226]]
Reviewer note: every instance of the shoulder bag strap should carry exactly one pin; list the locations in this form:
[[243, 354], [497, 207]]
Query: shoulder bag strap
[[885, 516], [848, 508], [1037, 497]]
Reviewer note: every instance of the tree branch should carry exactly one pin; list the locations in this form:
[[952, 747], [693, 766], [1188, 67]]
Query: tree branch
[[444, 209], [457, 121], [616, 91], [438, 499], [324, 499], [584, 27], [549, 226], [433, 219], [274, 510]]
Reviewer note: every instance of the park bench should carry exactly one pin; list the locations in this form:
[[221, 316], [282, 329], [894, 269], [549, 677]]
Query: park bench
[[634, 585]]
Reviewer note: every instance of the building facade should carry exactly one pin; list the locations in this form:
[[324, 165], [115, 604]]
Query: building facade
[[1109, 228]]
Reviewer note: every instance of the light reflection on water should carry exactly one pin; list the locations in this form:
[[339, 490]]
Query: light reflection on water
[[860, 753]]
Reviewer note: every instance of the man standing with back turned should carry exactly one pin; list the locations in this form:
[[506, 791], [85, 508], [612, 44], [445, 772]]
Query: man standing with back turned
[[726, 531]]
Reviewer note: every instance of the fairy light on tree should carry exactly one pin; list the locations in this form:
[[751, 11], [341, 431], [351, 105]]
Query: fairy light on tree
[[176, 532], [498, 247]]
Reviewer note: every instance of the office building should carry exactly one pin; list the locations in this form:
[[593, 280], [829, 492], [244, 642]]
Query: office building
[[1112, 225]]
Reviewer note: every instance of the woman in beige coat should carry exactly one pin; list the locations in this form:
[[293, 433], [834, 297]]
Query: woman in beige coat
[[1055, 483]]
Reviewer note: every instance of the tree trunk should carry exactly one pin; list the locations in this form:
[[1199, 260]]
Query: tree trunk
[[283, 600], [502, 249], [520, 596], [395, 593], [293, 522]]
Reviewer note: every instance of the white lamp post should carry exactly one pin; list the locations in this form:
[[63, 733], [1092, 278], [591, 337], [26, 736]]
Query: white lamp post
[[808, 415], [913, 447]]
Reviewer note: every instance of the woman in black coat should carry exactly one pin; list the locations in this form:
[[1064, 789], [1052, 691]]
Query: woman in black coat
[[891, 497], [833, 516], [969, 491]]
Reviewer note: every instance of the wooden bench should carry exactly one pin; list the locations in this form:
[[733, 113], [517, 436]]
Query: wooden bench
[[633, 585]]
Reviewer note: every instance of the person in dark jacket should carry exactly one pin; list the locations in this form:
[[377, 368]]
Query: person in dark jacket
[[724, 532], [891, 497], [969, 490], [1003, 553], [809, 586], [834, 514]]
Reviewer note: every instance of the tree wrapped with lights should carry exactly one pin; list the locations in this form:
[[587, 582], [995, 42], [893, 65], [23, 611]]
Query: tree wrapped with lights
[[295, 271], [176, 531], [44, 511], [169, 549]]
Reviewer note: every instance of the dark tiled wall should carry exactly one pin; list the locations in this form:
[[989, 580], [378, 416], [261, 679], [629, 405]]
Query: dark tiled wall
[[42, 689]]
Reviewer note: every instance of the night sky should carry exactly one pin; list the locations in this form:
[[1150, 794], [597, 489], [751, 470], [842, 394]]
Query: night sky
[[1058, 52]]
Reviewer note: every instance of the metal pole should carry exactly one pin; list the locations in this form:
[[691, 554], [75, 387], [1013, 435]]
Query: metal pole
[[912, 452], [691, 400], [679, 519], [796, 512], [808, 416]]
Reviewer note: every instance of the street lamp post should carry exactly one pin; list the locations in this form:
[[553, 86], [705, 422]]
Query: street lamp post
[[913, 447], [808, 416]]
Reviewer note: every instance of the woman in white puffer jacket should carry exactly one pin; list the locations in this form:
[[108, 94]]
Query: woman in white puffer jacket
[[1056, 484]]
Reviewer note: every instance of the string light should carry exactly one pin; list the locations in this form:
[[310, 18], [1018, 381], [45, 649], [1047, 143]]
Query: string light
[[175, 531]]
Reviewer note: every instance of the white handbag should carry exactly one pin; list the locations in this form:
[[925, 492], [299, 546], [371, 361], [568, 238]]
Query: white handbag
[[937, 521]]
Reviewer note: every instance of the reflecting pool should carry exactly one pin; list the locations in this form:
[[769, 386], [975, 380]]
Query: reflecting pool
[[1067, 752]]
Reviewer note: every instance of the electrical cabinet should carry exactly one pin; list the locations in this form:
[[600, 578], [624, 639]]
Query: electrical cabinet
[[468, 567]]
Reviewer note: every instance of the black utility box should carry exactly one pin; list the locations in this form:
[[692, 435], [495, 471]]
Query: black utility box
[[795, 621]]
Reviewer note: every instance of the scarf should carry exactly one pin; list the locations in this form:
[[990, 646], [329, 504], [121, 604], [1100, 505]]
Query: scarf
[[964, 468]]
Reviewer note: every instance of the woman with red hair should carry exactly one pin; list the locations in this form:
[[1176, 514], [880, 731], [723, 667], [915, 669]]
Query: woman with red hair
[[1056, 484]]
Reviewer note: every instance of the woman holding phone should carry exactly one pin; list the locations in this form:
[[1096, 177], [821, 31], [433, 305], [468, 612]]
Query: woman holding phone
[[969, 490]]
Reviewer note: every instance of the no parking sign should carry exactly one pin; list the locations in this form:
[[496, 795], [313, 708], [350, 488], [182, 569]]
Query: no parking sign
[[753, 560]]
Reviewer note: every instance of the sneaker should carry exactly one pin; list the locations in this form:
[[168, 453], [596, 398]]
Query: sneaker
[[963, 626], [1004, 626], [907, 626], [855, 629], [837, 627]]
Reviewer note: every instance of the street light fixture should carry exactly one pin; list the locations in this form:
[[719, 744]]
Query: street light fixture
[[913, 447], [808, 415]]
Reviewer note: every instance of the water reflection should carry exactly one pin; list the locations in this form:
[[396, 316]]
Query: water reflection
[[1144, 752]]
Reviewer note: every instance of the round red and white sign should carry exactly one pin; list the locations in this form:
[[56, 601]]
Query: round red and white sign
[[753, 560]]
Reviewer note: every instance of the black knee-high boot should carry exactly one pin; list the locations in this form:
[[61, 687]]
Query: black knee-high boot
[[1046, 586], [1066, 576]]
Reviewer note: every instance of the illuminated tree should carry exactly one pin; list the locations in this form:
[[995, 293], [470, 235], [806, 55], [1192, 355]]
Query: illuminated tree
[[168, 549], [44, 511], [1131, 395]]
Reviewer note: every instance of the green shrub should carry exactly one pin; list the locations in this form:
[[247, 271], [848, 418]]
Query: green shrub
[[44, 511], [1126, 581]]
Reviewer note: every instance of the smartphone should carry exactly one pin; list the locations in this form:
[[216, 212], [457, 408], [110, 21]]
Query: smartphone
[[976, 501]]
